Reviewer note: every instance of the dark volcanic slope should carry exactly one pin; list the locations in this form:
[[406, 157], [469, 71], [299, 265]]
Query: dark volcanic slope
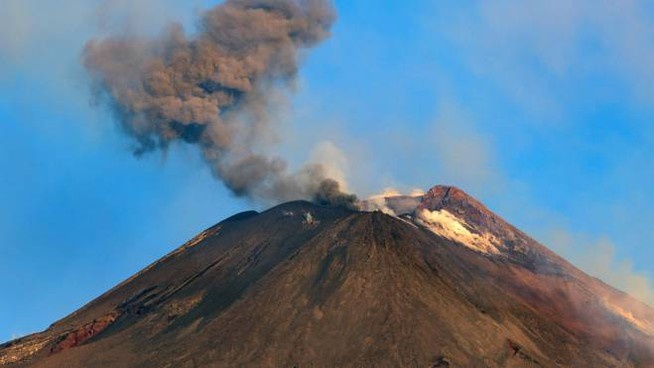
[[350, 289]]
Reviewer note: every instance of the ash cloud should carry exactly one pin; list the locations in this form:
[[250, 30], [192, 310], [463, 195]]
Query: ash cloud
[[214, 89]]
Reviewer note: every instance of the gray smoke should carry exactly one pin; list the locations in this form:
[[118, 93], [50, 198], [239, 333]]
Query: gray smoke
[[214, 89]]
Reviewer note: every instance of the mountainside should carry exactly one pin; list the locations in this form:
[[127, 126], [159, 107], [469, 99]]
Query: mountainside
[[435, 280]]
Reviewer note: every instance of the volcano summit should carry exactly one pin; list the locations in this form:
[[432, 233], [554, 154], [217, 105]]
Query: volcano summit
[[435, 280]]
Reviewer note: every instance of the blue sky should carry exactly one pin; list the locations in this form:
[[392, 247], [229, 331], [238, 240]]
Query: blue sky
[[543, 110]]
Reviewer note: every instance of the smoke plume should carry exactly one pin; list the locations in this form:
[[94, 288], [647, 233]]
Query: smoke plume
[[214, 89]]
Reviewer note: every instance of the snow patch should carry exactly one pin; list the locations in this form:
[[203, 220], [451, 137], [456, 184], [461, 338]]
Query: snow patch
[[447, 225]]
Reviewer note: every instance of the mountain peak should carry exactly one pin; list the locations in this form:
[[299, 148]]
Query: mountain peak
[[444, 191], [445, 194], [460, 203], [435, 280], [454, 214]]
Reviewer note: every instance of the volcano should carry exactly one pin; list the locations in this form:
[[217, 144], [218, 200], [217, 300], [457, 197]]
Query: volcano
[[435, 280]]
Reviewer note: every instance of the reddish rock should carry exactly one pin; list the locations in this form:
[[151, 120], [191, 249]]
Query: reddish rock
[[79, 336]]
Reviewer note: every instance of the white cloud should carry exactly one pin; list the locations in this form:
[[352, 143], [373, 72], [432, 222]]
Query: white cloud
[[15, 26], [333, 161], [531, 49], [36, 33], [465, 155], [597, 258]]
